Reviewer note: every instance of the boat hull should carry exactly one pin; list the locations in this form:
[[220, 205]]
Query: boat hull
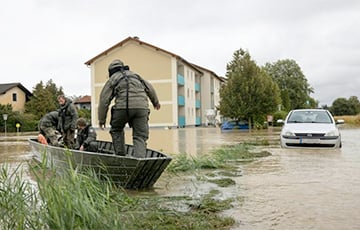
[[127, 171]]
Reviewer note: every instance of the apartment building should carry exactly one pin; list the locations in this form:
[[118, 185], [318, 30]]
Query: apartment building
[[185, 90]]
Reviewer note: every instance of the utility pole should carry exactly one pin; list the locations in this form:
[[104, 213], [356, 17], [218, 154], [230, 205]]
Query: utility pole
[[5, 116]]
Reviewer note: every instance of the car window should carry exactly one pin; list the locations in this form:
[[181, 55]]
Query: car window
[[322, 117], [232, 123], [309, 117], [296, 117]]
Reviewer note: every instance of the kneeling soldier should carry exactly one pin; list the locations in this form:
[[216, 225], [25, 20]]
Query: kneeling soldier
[[48, 128], [86, 136]]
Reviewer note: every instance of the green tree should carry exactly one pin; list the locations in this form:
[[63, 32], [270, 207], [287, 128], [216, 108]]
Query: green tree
[[44, 99], [249, 92], [354, 105], [295, 90], [85, 113], [342, 106], [5, 109]]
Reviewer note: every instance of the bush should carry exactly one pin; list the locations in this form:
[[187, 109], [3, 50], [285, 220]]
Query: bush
[[28, 122], [279, 115]]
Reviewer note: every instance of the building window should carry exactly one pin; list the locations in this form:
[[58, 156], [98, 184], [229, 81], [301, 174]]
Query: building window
[[14, 97]]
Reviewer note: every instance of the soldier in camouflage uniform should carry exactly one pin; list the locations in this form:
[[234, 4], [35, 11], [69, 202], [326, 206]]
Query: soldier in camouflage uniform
[[48, 127], [131, 93], [67, 120], [86, 136]]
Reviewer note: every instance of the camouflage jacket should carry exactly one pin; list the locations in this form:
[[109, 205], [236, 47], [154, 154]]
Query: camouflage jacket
[[67, 116], [49, 120], [85, 136], [129, 90]]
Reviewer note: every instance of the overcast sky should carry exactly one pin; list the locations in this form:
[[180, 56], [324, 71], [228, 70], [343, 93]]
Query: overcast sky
[[49, 39]]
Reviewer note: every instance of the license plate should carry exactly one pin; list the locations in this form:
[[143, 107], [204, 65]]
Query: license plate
[[309, 141]]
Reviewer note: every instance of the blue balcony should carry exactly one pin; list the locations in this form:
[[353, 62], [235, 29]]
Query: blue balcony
[[197, 87], [181, 101], [197, 104], [180, 79], [198, 121], [181, 121]]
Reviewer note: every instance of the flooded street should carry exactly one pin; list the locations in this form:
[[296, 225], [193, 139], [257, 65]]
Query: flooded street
[[302, 189], [292, 189]]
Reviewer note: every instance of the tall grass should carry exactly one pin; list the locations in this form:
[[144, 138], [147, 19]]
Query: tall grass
[[350, 120], [17, 200], [218, 158], [74, 200], [71, 201]]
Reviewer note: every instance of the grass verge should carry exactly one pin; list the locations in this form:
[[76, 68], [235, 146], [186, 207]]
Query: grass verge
[[75, 200]]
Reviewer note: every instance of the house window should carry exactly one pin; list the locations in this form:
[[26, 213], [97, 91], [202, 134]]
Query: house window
[[14, 97]]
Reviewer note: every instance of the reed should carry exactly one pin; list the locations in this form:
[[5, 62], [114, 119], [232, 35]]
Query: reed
[[17, 199], [350, 120], [35, 197], [217, 159]]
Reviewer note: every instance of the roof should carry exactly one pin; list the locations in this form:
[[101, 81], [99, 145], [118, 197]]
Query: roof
[[136, 39], [218, 77], [7, 86], [83, 100]]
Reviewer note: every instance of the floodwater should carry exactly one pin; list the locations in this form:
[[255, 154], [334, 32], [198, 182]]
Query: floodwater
[[196, 141], [302, 189], [291, 189]]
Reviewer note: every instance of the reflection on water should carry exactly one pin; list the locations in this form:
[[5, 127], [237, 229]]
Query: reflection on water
[[14, 151], [197, 140], [292, 189]]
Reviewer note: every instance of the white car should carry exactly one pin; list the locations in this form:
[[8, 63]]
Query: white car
[[314, 128]]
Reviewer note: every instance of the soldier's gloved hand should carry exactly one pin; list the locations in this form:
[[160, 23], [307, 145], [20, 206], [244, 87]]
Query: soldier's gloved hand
[[157, 107], [101, 125]]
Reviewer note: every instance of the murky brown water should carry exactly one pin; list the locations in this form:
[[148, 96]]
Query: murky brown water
[[303, 189], [292, 189], [196, 140]]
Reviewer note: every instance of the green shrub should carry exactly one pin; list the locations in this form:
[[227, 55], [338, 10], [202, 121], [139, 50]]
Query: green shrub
[[279, 115]]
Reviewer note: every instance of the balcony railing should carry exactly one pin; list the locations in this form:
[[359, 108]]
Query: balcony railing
[[180, 79], [181, 120], [197, 104], [181, 100], [198, 121], [197, 87]]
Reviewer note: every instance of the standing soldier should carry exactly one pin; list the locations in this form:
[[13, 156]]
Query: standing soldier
[[131, 93], [48, 128], [67, 120]]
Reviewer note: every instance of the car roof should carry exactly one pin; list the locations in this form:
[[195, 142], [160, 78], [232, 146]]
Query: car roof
[[310, 110]]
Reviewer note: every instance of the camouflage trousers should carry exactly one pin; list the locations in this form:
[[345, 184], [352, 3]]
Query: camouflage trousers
[[50, 134], [138, 121], [69, 138]]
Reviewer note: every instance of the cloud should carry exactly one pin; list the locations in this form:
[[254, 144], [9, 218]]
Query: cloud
[[45, 39]]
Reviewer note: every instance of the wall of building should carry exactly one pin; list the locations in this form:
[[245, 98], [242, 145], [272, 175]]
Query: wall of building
[[210, 95], [19, 104], [152, 65]]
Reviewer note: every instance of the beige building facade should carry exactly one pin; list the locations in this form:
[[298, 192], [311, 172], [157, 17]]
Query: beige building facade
[[181, 86], [210, 94], [14, 94]]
